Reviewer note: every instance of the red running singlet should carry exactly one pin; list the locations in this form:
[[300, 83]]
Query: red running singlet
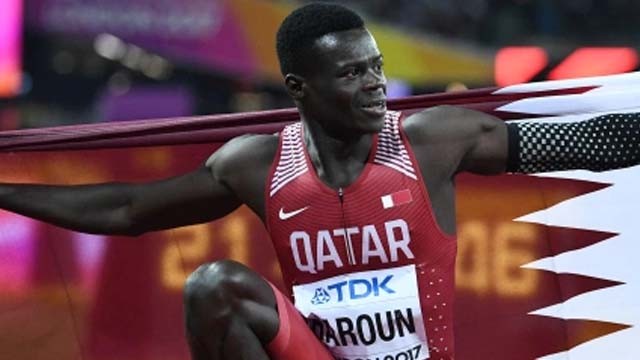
[[367, 265]]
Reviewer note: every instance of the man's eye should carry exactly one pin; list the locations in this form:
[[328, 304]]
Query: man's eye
[[352, 72]]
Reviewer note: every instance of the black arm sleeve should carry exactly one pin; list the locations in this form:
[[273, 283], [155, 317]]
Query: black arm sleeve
[[603, 143]]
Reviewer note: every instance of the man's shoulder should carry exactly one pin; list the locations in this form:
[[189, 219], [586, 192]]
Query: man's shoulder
[[423, 125], [427, 116], [250, 143], [245, 151]]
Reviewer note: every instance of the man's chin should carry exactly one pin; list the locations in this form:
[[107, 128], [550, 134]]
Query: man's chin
[[374, 125]]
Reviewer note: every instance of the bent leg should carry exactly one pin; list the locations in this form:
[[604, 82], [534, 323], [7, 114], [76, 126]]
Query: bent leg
[[294, 340], [230, 312]]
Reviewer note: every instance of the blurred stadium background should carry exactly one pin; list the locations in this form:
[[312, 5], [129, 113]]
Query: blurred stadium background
[[66, 62]]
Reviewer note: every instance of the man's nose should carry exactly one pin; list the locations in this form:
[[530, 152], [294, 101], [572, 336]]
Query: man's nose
[[375, 80]]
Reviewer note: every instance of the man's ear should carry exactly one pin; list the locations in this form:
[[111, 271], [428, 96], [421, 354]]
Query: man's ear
[[295, 86]]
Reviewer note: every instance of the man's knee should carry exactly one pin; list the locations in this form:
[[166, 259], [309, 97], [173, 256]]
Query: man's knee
[[216, 290], [226, 300]]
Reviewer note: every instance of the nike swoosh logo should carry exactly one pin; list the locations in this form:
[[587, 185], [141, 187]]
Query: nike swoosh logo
[[288, 215]]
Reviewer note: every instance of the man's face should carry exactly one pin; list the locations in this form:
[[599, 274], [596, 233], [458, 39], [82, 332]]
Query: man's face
[[345, 88]]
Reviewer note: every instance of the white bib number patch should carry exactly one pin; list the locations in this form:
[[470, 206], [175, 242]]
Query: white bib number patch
[[369, 315]]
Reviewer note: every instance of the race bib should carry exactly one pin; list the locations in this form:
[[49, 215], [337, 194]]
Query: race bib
[[369, 315]]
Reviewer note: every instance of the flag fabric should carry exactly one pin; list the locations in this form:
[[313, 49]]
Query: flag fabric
[[563, 100], [547, 265]]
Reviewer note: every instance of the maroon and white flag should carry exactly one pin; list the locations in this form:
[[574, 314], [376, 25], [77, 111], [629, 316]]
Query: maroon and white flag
[[547, 265]]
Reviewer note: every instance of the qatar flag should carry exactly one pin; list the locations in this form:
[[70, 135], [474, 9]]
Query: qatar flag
[[396, 199], [547, 265]]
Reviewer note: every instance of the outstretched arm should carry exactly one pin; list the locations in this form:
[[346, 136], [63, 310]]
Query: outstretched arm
[[128, 209], [482, 144]]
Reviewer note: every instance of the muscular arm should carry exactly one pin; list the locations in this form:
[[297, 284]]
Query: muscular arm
[[472, 141], [125, 209], [461, 140], [131, 209]]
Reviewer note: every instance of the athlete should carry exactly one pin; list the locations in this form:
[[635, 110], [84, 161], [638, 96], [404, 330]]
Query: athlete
[[359, 202]]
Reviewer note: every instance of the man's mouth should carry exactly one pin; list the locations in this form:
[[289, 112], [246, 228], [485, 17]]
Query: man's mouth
[[378, 107]]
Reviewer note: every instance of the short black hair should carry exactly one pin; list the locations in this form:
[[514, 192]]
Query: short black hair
[[304, 25]]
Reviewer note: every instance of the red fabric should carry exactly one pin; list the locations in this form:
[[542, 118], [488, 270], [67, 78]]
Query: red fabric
[[294, 339], [220, 128]]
